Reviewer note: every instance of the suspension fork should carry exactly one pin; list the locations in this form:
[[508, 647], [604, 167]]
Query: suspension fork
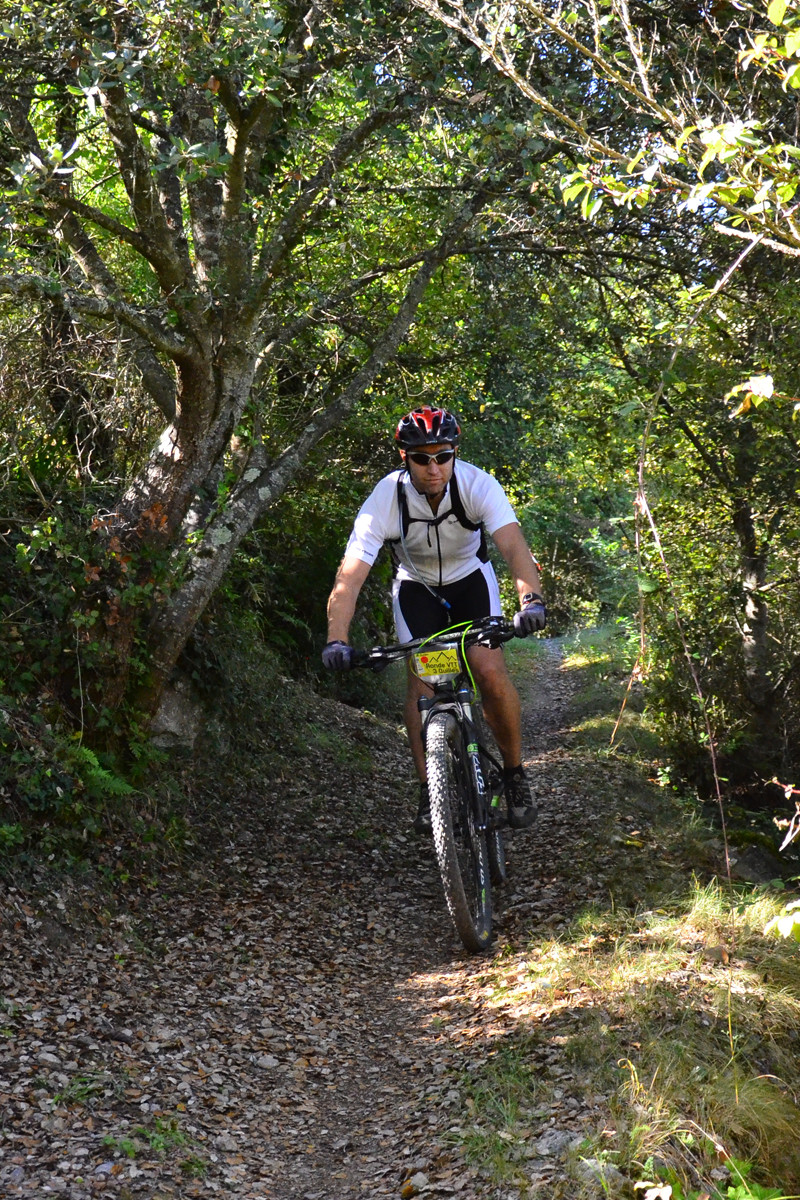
[[480, 783], [460, 702]]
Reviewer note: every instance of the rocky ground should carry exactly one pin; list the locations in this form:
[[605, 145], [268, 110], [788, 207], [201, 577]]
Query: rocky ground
[[292, 1016]]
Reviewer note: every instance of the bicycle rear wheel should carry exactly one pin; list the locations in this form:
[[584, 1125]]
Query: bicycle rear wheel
[[460, 845], [496, 849]]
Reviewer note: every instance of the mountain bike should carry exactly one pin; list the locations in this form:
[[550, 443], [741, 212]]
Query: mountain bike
[[465, 774]]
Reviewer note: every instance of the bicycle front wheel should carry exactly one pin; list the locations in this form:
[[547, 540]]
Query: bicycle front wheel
[[460, 845]]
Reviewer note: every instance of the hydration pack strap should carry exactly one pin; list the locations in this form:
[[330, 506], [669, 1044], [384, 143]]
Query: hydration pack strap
[[457, 510], [404, 523]]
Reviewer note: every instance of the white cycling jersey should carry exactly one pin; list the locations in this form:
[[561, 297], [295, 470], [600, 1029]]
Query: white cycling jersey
[[440, 549]]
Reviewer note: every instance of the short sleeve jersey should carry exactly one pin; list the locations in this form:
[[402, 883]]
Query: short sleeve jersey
[[440, 549]]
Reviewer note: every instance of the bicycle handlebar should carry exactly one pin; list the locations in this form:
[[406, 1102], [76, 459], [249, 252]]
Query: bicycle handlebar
[[488, 631]]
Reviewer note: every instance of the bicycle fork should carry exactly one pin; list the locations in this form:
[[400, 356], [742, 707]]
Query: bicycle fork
[[479, 780], [489, 791], [486, 797]]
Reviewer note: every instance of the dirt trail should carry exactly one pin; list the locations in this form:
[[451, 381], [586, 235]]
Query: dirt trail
[[292, 1020]]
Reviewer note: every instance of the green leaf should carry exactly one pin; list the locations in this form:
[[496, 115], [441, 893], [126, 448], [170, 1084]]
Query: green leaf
[[635, 160], [648, 585], [787, 925], [709, 156], [777, 11], [575, 190]]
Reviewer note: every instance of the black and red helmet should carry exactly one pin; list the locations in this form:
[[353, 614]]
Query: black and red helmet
[[427, 427]]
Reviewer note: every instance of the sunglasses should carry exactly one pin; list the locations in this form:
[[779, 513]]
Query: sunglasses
[[424, 460]]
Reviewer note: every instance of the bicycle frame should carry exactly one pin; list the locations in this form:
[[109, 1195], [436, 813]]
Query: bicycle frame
[[457, 773], [453, 689]]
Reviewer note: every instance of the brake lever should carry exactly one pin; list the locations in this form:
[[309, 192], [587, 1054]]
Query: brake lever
[[364, 658]]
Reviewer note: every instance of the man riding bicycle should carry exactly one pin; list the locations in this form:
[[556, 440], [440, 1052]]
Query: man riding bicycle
[[434, 517]]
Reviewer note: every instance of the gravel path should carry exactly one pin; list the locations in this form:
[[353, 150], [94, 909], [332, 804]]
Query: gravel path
[[291, 1018]]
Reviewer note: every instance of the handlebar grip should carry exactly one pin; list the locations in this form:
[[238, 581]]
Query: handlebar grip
[[360, 658]]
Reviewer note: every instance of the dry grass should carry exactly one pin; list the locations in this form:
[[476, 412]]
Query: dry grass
[[675, 1027], [685, 1019]]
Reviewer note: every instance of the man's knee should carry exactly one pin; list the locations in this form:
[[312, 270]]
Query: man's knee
[[492, 673], [501, 693]]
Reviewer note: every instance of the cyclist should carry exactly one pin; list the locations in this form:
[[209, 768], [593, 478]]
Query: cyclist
[[434, 512]]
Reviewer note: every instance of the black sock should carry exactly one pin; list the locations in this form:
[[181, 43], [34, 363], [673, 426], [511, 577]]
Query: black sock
[[513, 772]]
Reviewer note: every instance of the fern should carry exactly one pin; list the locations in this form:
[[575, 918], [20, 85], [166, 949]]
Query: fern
[[98, 781]]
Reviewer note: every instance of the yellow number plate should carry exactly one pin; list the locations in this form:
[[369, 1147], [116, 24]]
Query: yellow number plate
[[437, 662]]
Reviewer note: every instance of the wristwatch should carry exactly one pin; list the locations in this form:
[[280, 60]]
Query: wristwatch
[[530, 596]]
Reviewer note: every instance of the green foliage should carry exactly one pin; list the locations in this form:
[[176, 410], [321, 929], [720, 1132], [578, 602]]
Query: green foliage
[[548, 333], [669, 1187], [85, 1088], [787, 923], [337, 171], [53, 790], [194, 1166], [98, 782], [11, 836], [164, 1136]]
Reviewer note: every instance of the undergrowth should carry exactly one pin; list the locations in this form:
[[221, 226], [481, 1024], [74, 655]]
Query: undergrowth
[[678, 1016]]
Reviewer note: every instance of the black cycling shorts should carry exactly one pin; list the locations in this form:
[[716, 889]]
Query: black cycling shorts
[[417, 613]]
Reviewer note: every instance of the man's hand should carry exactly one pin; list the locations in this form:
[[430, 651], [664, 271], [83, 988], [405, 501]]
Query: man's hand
[[531, 618], [337, 656]]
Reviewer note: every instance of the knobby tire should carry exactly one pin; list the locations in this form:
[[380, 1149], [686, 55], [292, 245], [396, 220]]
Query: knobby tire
[[460, 846]]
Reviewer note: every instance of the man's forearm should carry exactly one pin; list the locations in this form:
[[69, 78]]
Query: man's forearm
[[519, 560], [524, 571], [341, 609], [342, 600], [527, 580]]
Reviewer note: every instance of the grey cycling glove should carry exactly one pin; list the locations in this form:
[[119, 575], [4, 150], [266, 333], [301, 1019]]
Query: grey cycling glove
[[337, 656], [531, 618]]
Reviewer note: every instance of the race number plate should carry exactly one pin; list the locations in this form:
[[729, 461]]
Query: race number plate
[[437, 662]]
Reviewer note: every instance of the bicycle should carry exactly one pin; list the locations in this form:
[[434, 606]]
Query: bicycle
[[465, 776]]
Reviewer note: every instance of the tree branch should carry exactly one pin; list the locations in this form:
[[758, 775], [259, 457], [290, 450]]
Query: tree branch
[[235, 261], [785, 239], [135, 169], [289, 230], [716, 468], [205, 194], [288, 463], [106, 307], [63, 201], [729, 231]]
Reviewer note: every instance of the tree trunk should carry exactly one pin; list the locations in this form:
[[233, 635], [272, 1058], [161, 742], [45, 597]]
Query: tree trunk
[[172, 498], [760, 755], [754, 627]]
